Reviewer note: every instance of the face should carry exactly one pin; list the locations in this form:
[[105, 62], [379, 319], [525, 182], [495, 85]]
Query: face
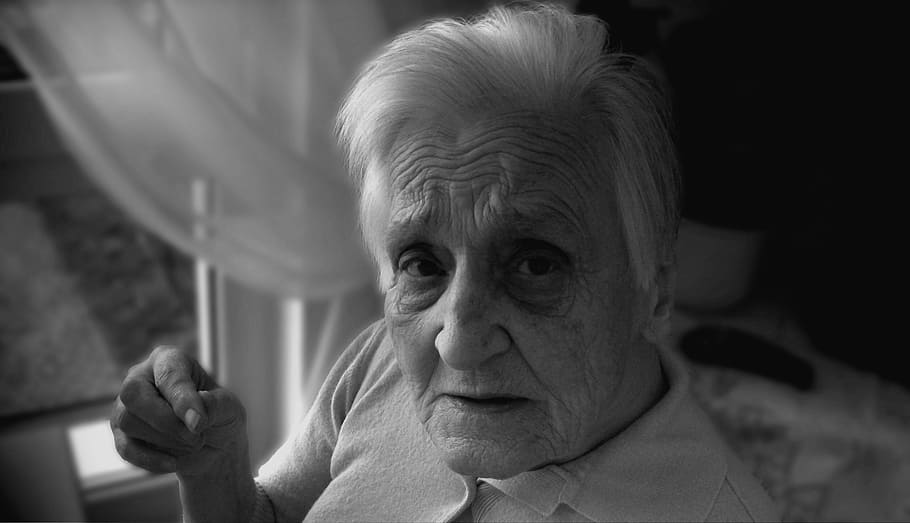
[[512, 306]]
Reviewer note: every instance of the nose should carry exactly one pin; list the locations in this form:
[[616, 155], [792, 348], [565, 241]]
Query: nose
[[470, 333]]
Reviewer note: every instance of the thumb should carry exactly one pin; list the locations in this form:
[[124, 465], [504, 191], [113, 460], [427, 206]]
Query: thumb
[[225, 417], [178, 379]]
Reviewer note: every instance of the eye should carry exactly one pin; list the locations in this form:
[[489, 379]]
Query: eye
[[420, 278], [420, 266], [536, 266]]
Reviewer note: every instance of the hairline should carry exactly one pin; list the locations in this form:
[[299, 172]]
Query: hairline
[[368, 163]]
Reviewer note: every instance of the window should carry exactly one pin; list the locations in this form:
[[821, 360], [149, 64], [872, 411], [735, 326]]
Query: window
[[85, 293]]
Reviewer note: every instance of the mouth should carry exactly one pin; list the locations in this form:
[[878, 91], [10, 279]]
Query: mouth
[[487, 403]]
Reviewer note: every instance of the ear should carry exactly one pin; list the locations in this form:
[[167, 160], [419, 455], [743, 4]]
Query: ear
[[660, 304]]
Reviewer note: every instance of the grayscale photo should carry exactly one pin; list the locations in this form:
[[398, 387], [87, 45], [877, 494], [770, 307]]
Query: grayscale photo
[[449, 261]]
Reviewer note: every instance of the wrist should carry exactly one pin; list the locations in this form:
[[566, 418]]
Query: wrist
[[217, 485], [224, 500]]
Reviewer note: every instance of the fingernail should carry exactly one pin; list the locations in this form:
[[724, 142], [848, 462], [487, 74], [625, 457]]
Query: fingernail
[[191, 418]]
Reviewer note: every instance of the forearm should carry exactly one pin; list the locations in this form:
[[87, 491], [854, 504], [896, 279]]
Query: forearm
[[225, 492]]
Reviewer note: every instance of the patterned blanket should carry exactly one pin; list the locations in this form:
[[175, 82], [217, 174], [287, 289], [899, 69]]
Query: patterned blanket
[[839, 451]]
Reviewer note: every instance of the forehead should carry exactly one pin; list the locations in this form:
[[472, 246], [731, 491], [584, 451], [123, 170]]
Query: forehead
[[524, 147], [516, 171]]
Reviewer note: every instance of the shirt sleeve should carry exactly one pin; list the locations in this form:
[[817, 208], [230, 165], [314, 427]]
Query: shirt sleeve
[[291, 481], [263, 512]]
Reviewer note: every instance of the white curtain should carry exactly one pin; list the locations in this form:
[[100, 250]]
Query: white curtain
[[209, 121]]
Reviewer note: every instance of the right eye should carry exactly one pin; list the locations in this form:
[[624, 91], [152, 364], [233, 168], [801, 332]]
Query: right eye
[[419, 265], [419, 279]]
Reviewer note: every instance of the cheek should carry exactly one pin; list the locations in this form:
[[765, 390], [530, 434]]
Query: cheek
[[558, 351], [414, 338], [579, 356]]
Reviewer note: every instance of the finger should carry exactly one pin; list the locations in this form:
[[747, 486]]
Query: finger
[[140, 397], [142, 454], [136, 428], [178, 379], [226, 417]]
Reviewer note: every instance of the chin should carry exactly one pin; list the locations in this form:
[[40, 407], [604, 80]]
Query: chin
[[482, 461], [488, 445]]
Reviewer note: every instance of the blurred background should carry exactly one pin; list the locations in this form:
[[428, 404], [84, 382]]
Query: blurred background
[[167, 176]]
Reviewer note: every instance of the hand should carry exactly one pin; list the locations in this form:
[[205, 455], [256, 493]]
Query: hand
[[171, 416]]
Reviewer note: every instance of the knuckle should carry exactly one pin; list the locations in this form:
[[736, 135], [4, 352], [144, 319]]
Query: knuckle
[[121, 444], [131, 392], [164, 377], [180, 397], [234, 415], [161, 351], [139, 369], [232, 407], [131, 453], [170, 376], [127, 423], [117, 416], [135, 369]]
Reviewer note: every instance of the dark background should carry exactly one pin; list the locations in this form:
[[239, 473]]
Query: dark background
[[789, 120], [788, 116]]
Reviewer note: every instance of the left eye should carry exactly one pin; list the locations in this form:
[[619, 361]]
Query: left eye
[[536, 266]]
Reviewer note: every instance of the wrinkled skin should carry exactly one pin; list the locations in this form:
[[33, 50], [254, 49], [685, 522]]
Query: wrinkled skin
[[512, 305], [154, 429]]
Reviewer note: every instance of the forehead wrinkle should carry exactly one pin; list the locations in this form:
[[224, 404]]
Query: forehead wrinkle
[[525, 216], [570, 142], [521, 160], [438, 174], [427, 160], [495, 167], [461, 205], [543, 143], [548, 143]]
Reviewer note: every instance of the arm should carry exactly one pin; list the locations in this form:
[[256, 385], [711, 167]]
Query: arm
[[171, 416], [152, 424]]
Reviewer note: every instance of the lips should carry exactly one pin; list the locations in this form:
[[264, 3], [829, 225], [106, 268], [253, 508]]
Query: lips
[[486, 396], [486, 402]]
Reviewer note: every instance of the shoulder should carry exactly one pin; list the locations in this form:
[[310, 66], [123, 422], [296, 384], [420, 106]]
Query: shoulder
[[359, 356], [300, 470], [366, 359]]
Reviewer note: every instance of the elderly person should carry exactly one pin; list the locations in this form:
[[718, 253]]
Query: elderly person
[[518, 192]]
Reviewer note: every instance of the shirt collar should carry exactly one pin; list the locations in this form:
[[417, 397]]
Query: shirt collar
[[543, 489], [668, 462]]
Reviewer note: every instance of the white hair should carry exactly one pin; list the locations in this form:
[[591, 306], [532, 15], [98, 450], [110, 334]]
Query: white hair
[[533, 57]]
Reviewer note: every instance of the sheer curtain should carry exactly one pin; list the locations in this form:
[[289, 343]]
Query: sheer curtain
[[210, 122]]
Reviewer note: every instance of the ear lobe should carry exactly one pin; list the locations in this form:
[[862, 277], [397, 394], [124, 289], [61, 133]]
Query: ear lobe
[[660, 306]]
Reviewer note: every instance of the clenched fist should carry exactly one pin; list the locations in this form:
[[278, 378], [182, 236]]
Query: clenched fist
[[171, 416]]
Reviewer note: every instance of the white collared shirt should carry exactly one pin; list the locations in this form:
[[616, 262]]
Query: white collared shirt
[[361, 455]]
